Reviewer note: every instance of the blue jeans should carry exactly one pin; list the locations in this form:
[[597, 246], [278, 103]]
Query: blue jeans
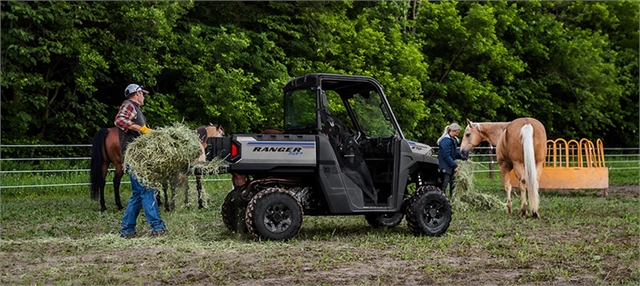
[[145, 198]]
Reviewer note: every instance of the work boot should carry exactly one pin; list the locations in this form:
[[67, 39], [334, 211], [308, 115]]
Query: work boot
[[128, 235], [158, 233]]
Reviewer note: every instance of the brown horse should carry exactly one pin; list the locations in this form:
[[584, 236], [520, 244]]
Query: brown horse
[[106, 150], [521, 146]]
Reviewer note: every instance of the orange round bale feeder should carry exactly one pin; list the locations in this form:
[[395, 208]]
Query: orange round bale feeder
[[573, 165]]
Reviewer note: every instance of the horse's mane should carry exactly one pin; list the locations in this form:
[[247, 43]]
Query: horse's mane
[[476, 125], [479, 125]]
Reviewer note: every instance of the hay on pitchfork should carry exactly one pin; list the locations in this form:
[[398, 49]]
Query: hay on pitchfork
[[160, 156], [465, 196]]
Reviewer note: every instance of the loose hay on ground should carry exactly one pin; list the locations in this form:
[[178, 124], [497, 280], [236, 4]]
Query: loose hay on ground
[[165, 153], [465, 196]]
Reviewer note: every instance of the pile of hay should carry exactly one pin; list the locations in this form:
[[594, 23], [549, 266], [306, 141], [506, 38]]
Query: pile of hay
[[165, 153], [466, 197]]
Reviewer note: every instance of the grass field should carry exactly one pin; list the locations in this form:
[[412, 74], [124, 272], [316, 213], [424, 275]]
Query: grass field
[[57, 236]]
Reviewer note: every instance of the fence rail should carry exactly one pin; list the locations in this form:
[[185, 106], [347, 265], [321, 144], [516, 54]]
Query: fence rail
[[481, 157]]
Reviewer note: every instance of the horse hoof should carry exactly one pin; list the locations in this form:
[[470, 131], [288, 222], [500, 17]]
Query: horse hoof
[[536, 215], [523, 213]]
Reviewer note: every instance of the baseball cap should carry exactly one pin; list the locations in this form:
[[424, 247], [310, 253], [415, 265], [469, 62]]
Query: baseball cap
[[133, 88]]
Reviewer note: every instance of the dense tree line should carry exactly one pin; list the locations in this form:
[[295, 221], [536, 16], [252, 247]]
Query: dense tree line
[[573, 65]]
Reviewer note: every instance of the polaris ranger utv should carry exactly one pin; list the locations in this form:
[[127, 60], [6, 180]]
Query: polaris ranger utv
[[341, 153]]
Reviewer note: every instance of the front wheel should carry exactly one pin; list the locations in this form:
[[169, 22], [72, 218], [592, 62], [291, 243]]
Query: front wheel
[[387, 220], [428, 212], [274, 214]]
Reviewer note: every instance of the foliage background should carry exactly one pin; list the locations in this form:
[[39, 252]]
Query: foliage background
[[571, 64]]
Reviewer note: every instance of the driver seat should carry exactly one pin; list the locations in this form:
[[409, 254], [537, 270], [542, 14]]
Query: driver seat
[[349, 155]]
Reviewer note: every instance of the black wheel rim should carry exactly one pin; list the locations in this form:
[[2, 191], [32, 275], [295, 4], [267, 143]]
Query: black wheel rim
[[433, 214], [277, 218]]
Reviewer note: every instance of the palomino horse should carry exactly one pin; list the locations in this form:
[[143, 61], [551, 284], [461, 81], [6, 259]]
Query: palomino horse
[[106, 150], [521, 146]]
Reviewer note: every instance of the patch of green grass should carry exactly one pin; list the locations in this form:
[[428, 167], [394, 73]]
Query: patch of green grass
[[58, 236]]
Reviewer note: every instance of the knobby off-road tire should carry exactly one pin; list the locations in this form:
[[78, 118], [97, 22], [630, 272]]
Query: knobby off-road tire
[[233, 211], [387, 220], [428, 212], [274, 214]]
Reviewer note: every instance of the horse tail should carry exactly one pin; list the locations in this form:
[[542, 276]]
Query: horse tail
[[96, 177], [530, 166]]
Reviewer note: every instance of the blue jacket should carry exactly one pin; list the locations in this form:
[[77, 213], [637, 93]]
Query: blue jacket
[[447, 153]]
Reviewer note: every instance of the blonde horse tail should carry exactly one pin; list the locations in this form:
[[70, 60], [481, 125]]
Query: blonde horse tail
[[530, 167]]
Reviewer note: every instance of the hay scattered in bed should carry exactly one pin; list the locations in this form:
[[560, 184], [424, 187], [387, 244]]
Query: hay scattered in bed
[[466, 197], [165, 153]]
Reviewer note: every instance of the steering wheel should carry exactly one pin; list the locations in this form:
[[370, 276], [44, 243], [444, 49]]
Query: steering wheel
[[356, 136]]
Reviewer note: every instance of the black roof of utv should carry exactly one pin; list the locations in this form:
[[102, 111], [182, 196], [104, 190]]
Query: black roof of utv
[[343, 84]]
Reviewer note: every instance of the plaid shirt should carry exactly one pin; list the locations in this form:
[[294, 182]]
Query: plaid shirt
[[126, 115]]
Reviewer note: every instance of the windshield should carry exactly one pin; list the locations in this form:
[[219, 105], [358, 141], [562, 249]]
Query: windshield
[[367, 106], [370, 113]]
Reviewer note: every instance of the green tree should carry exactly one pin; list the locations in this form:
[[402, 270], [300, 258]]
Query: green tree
[[231, 75], [571, 64], [469, 64], [616, 25], [50, 64], [571, 78], [363, 40], [496, 61], [58, 57]]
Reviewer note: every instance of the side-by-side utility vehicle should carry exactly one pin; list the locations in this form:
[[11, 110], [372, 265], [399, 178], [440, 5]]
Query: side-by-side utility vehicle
[[341, 153]]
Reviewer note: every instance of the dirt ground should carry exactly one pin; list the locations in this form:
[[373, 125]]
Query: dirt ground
[[612, 191], [300, 266]]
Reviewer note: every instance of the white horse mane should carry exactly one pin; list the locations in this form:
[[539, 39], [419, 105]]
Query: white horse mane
[[475, 125], [479, 125]]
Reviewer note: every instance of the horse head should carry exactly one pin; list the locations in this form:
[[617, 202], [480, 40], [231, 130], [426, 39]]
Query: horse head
[[471, 138], [214, 130], [206, 131]]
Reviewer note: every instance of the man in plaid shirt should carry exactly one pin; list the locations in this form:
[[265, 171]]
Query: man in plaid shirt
[[131, 124]]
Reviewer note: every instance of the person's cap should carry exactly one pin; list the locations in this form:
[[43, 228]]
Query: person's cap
[[132, 89]]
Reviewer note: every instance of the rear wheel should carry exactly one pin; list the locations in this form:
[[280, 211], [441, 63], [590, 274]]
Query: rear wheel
[[388, 220], [274, 214], [233, 211], [428, 212]]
